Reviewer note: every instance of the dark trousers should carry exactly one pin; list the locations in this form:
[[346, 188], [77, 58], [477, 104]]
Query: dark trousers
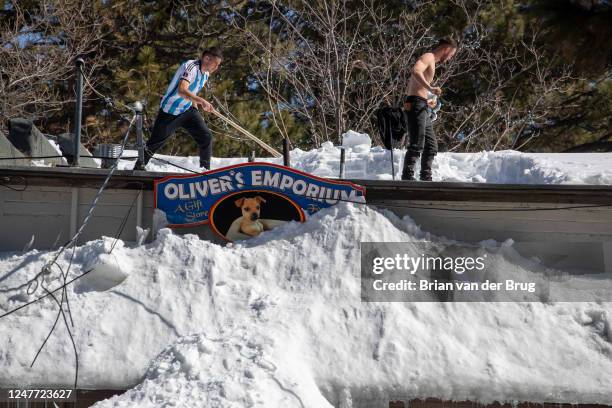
[[422, 140], [190, 120]]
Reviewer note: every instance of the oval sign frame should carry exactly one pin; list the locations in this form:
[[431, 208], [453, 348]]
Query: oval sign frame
[[215, 229]]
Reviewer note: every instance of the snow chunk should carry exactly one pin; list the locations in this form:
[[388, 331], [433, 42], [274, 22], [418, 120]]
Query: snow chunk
[[352, 139], [106, 273]]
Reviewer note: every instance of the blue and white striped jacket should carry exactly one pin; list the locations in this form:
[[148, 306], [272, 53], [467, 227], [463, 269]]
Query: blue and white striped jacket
[[190, 71]]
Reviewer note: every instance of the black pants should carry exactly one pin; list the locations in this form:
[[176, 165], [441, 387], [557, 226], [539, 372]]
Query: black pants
[[190, 120], [422, 140]]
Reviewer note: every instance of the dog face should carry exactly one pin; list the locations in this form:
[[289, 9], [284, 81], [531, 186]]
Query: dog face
[[250, 207]]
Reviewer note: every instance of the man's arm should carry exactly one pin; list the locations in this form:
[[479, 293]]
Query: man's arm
[[187, 94], [419, 68]]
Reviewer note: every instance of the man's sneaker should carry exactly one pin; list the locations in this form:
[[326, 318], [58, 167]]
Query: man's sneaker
[[426, 178], [408, 178]]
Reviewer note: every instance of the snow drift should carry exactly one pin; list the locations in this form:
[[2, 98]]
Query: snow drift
[[366, 162], [278, 321]]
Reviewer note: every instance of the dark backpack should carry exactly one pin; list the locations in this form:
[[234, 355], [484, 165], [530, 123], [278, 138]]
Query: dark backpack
[[392, 124]]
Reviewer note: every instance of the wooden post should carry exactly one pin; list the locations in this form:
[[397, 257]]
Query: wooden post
[[286, 161], [78, 110], [139, 140], [342, 161]]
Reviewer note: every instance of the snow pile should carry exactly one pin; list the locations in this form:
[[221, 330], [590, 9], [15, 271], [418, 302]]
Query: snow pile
[[366, 162], [278, 321], [509, 166]]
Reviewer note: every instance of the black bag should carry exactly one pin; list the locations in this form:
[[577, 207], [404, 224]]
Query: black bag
[[392, 124]]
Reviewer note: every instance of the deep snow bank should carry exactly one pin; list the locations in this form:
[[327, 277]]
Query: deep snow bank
[[278, 321], [366, 162]]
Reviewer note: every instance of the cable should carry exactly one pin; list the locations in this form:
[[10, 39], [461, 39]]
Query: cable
[[31, 157], [33, 284], [64, 157], [65, 275], [66, 283], [61, 312], [47, 268], [125, 219], [44, 296], [175, 165], [65, 295], [7, 179], [52, 327], [101, 189]]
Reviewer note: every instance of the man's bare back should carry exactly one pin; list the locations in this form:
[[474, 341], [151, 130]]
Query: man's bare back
[[422, 75]]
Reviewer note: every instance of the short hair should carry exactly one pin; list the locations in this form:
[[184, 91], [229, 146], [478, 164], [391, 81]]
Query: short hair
[[213, 52], [447, 42]]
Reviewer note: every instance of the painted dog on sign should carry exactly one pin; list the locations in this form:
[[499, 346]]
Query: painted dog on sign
[[251, 208]]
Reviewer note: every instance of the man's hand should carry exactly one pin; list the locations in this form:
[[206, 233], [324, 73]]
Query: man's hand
[[432, 103], [206, 106], [436, 90]]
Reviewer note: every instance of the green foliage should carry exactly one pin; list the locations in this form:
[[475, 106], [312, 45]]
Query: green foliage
[[579, 30], [145, 41]]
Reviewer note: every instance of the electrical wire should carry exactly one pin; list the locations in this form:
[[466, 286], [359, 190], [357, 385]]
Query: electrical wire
[[46, 269], [65, 295], [33, 284], [32, 157], [103, 186], [7, 179], [125, 219], [48, 294], [117, 235], [62, 314], [64, 157]]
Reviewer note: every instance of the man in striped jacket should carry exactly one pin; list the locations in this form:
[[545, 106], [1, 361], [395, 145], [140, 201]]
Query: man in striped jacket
[[179, 107]]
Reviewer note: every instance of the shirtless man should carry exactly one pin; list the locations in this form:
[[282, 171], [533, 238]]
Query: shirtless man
[[421, 96]]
